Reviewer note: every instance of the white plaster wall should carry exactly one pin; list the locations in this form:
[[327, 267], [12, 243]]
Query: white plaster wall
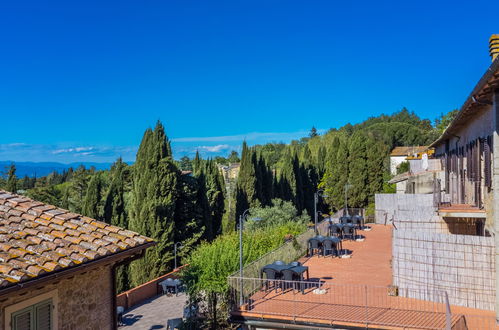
[[394, 162]]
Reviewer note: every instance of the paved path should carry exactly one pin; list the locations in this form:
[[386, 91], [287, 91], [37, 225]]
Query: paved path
[[153, 313]]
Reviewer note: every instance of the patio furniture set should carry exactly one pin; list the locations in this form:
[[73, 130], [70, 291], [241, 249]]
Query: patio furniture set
[[347, 228], [283, 276], [170, 286]]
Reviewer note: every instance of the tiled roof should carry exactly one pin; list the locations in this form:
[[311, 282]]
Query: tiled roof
[[37, 238], [406, 151]]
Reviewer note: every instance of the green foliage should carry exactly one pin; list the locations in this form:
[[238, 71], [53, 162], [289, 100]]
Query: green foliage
[[403, 167], [11, 184], [279, 213], [92, 203], [246, 189], [185, 164], [313, 132], [233, 157], [154, 196], [443, 121], [211, 263]]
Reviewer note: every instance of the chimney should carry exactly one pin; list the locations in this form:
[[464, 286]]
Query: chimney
[[494, 46]]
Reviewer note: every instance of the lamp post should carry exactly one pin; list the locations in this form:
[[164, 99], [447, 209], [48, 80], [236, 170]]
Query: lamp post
[[242, 218], [175, 251], [318, 193]]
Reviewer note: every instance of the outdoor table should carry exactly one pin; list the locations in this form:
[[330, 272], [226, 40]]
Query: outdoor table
[[274, 267], [300, 270], [345, 219], [338, 242], [170, 283], [351, 225], [360, 220]]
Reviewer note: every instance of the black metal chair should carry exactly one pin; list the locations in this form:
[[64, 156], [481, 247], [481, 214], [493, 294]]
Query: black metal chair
[[288, 279], [329, 245], [345, 219], [335, 230], [357, 222], [349, 231], [313, 244], [272, 277]]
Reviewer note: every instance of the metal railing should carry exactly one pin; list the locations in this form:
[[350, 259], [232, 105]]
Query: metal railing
[[292, 250], [322, 302]]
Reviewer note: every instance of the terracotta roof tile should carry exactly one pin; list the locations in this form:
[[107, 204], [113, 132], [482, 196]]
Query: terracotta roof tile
[[36, 238]]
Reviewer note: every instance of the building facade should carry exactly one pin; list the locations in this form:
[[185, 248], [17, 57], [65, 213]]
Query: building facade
[[57, 268]]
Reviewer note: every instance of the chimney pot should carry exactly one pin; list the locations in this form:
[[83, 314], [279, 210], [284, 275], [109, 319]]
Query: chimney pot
[[494, 46]]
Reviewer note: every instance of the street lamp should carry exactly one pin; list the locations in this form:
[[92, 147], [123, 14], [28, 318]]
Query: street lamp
[[318, 193], [347, 186], [243, 217], [175, 249]]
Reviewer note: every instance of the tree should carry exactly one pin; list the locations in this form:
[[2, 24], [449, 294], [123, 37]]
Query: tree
[[92, 202], [246, 193], [115, 213], [233, 157], [153, 203], [336, 176], [185, 164], [358, 175], [11, 184], [313, 132], [443, 121], [77, 189], [189, 215], [377, 155]]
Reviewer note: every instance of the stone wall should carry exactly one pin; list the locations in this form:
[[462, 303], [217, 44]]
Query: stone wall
[[409, 212], [84, 299], [461, 265], [140, 293]]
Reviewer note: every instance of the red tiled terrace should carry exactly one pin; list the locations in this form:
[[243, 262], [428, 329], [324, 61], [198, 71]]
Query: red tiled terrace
[[356, 295]]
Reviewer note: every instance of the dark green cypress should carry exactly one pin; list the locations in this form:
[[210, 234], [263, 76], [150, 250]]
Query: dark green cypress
[[358, 175], [91, 203], [11, 184], [246, 194], [154, 196], [115, 213]]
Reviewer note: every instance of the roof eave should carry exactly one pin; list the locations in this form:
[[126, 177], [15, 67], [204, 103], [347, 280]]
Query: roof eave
[[484, 80], [112, 258]]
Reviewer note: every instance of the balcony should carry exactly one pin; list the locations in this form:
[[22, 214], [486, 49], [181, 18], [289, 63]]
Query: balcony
[[350, 293]]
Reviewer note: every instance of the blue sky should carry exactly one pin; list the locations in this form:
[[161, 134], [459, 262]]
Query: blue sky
[[81, 81]]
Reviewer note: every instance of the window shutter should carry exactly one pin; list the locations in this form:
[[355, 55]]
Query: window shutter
[[488, 162], [43, 313], [23, 320]]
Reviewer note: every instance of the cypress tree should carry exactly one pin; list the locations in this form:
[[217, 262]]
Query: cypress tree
[[339, 176], [11, 184], [77, 189], [358, 175], [115, 213], [246, 194], [91, 203], [189, 215], [215, 196], [154, 196], [377, 153], [114, 204]]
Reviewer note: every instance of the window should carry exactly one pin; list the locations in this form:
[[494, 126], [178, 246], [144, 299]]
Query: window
[[37, 313], [34, 317]]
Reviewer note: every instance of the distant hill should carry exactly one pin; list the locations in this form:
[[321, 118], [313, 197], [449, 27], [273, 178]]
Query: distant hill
[[44, 168]]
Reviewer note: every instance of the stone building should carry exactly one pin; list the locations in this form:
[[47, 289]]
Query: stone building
[[57, 268], [400, 155], [449, 239]]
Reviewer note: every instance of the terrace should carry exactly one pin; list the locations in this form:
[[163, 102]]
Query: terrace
[[351, 293]]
